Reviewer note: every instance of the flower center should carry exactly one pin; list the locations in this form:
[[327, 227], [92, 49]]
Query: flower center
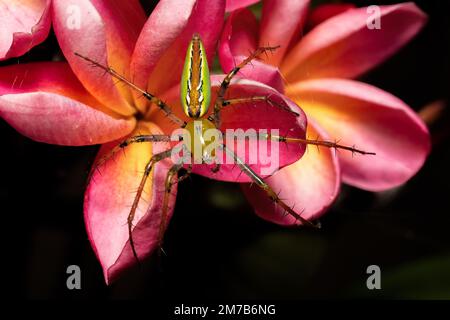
[[139, 116]]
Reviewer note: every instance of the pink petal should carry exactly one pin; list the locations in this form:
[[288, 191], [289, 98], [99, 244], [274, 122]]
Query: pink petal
[[261, 72], [233, 5], [359, 114], [282, 24], [105, 31], [345, 47], [46, 102], [108, 200], [325, 11], [248, 116], [239, 37], [239, 40], [310, 185], [25, 24], [161, 48]]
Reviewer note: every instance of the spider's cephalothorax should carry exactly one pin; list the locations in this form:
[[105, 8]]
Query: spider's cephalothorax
[[195, 100]]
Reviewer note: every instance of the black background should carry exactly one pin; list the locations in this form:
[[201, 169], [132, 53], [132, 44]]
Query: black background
[[217, 248]]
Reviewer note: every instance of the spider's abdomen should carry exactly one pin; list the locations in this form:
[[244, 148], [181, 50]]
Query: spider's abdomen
[[195, 82]]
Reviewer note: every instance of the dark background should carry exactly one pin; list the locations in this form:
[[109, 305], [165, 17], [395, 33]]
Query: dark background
[[217, 247]]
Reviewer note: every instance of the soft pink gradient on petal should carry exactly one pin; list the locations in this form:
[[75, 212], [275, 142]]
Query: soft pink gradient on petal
[[51, 77], [325, 11], [310, 185], [108, 200], [261, 72], [373, 120], [24, 24], [233, 5], [246, 116], [282, 22], [45, 102], [56, 119], [239, 37], [162, 28], [102, 38], [239, 40], [344, 47], [123, 22], [156, 63]]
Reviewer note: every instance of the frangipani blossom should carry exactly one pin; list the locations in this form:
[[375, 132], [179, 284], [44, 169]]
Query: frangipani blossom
[[72, 103], [25, 24], [315, 70]]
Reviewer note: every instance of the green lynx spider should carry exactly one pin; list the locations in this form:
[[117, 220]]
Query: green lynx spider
[[195, 100]]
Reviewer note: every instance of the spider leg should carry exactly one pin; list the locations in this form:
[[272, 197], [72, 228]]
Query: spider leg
[[266, 99], [153, 99], [132, 140], [170, 181], [148, 168], [186, 174], [316, 142], [269, 191], [216, 168], [227, 80]]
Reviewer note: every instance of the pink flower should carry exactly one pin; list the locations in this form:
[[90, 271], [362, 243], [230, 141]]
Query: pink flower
[[315, 70], [72, 103], [24, 25]]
